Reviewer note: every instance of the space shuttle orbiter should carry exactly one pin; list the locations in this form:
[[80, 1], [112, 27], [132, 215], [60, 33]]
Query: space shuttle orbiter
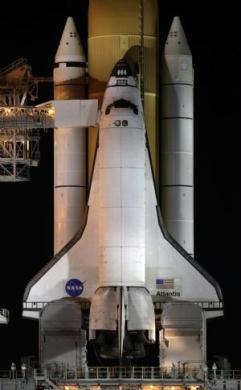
[[123, 260]]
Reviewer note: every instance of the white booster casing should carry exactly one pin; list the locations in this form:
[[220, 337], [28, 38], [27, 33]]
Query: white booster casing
[[69, 143], [177, 138]]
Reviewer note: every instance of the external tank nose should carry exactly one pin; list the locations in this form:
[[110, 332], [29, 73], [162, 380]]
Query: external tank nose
[[121, 69]]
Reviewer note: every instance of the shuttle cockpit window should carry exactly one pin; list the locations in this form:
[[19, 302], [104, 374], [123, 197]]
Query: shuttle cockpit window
[[121, 103]]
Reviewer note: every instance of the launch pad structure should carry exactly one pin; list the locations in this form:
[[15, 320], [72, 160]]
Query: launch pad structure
[[20, 124]]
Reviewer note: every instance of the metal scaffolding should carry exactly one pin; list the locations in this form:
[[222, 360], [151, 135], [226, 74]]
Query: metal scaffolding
[[19, 140], [20, 125], [28, 117]]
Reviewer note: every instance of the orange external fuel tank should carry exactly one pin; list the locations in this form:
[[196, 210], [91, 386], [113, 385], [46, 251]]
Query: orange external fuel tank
[[116, 30]]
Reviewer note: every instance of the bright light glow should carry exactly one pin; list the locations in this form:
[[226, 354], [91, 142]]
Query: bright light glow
[[51, 111]]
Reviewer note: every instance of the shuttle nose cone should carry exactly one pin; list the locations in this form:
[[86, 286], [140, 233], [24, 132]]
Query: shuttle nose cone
[[70, 48], [176, 42], [121, 69]]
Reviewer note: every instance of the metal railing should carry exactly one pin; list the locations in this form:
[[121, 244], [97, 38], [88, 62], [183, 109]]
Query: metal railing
[[224, 374], [55, 372], [8, 374], [111, 375], [205, 305], [37, 306], [27, 117]]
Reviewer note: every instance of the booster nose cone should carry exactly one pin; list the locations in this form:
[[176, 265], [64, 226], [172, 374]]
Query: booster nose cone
[[70, 48], [176, 42], [121, 69]]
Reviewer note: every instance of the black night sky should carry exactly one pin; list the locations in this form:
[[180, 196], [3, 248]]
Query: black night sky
[[214, 36]]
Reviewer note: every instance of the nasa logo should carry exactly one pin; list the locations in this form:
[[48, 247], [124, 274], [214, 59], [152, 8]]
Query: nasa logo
[[74, 287]]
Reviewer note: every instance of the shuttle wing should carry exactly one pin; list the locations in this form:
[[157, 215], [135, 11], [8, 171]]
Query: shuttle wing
[[74, 270], [170, 271]]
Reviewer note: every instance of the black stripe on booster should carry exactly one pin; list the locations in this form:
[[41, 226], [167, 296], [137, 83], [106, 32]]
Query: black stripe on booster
[[176, 117], [167, 84], [70, 186], [176, 185], [71, 64]]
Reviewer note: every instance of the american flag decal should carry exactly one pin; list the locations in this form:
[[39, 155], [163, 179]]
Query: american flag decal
[[165, 284]]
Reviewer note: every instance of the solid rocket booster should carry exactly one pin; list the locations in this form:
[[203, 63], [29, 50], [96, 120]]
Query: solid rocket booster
[[69, 143], [177, 137], [114, 33]]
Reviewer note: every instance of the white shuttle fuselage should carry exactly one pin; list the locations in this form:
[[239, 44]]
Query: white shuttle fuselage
[[121, 198], [122, 260]]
